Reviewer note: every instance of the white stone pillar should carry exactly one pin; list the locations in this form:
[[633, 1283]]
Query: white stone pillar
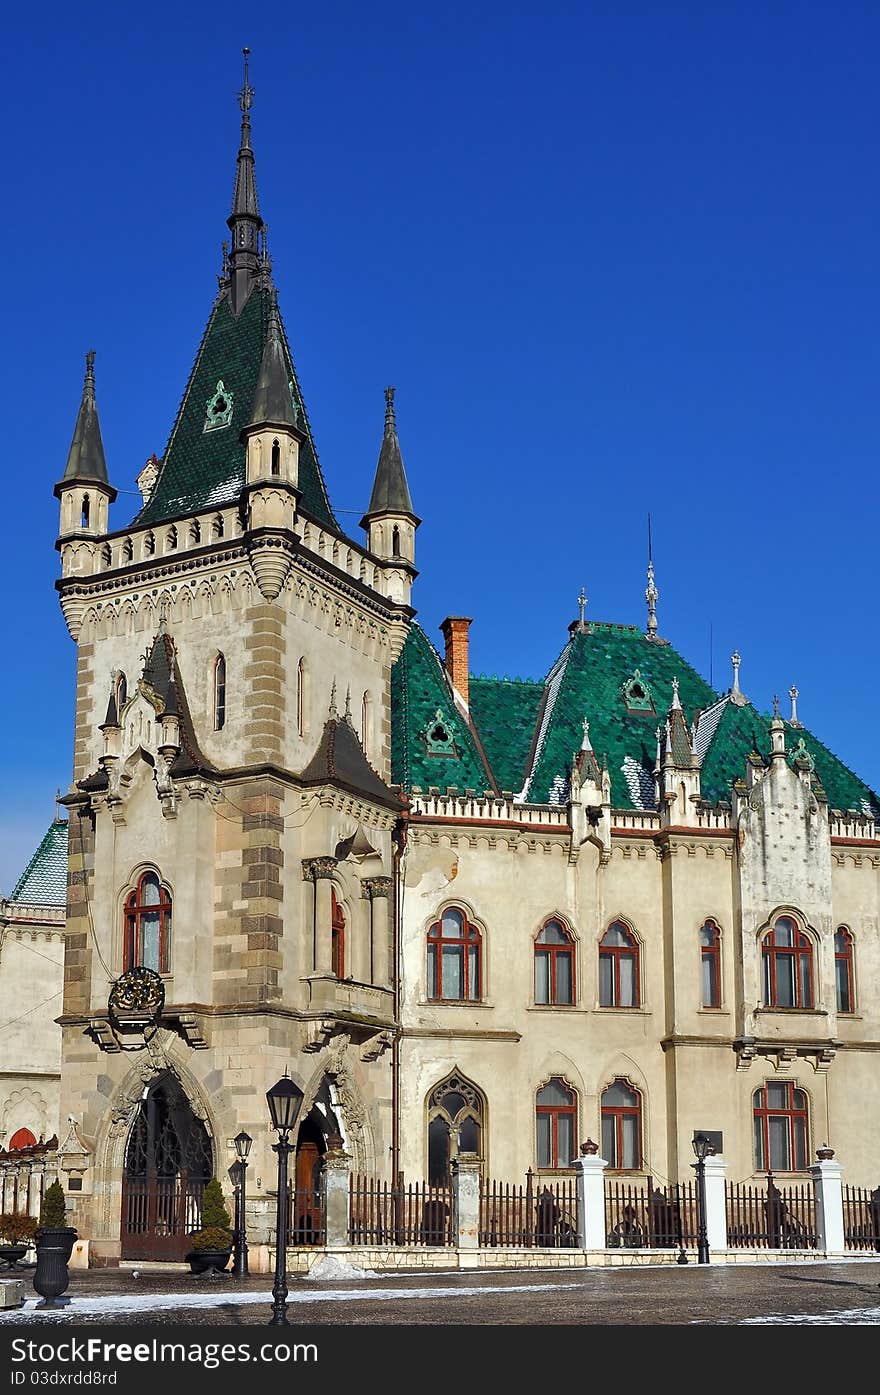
[[826, 1175], [716, 1203], [379, 890], [335, 1180], [319, 870], [466, 1172], [591, 1198]]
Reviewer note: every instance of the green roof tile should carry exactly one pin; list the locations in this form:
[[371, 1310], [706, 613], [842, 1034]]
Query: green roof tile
[[418, 691], [44, 881], [203, 468], [505, 711]]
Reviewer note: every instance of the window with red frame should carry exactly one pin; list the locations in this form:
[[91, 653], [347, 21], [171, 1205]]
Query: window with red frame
[[788, 966], [22, 1138], [337, 937], [710, 964], [618, 967], [780, 1113], [454, 958], [555, 1123], [148, 926], [843, 970], [554, 966], [622, 1126]]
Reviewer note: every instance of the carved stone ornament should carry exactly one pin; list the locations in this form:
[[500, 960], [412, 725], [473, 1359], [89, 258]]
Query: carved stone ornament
[[314, 868], [139, 992], [347, 1094], [375, 886]]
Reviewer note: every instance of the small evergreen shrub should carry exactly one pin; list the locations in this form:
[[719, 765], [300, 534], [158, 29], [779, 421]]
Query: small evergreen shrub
[[53, 1214], [216, 1232], [17, 1227]]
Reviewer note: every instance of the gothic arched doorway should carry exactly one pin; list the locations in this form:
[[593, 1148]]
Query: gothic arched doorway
[[307, 1221], [168, 1160]]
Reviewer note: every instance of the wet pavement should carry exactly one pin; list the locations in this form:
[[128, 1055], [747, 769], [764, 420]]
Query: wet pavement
[[815, 1292]]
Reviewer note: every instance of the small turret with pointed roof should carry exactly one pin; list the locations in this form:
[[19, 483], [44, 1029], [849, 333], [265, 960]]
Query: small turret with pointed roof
[[390, 521], [273, 404], [84, 490]]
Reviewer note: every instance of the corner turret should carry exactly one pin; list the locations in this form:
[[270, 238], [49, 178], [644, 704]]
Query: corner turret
[[390, 522], [84, 490]]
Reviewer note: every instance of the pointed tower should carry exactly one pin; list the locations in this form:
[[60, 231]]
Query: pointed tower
[[84, 491], [272, 441], [390, 522], [244, 221], [677, 772]]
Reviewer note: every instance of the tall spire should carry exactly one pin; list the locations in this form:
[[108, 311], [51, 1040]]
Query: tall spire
[[244, 221], [652, 595], [390, 490], [85, 459], [272, 400]]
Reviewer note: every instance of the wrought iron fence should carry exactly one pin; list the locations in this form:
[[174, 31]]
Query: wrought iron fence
[[414, 1213], [642, 1215], [306, 1219], [542, 1214], [770, 1217], [861, 1218]]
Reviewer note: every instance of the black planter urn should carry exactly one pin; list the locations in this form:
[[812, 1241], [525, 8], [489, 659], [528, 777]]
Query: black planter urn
[[201, 1261], [11, 1254], [54, 1248]]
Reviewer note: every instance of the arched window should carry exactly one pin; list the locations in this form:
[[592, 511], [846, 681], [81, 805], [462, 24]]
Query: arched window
[[788, 966], [780, 1127], [395, 541], [555, 1123], [302, 680], [127, 550], [337, 937], [149, 544], [276, 458], [365, 723], [120, 692], [217, 526], [106, 555], [85, 511], [622, 1126], [22, 1138], [710, 964], [456, 1116], [843, 970], [554, 965], [454, 952], [219, 692], [148, 926], [171, 538], [618, 967]]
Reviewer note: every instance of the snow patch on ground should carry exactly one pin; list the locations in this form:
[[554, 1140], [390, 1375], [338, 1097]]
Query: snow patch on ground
[[333, 1269]]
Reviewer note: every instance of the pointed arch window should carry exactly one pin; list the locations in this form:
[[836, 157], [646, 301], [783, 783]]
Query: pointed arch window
[[788, 965], [781, 1127], [618, 967], [554, 965], [456, 1118], [219, 692], [147, 930], [555, 1123], [454, 958], [302, 680], [337, 937], [395, 541], [844, 979], [710, 964], [365, 723], [622, 1126], [120, 691], [276, 458]]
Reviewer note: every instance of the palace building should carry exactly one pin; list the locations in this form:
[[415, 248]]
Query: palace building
[[468, 915]]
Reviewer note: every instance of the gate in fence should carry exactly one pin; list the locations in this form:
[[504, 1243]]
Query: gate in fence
[[771, 1217]]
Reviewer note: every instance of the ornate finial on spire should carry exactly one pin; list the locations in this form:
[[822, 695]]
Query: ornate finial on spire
[[676, 701], [57, 805], [348, 703], [333, 712], [585, 744], [246, 95], [775, 704], [390, 419], [89, 383], [794, 695], [736, 695], [582, 605], [652, 595]]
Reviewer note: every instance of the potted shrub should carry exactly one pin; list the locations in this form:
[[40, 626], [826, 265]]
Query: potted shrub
[[17, 1230], [54, 1242], [212, 1245]]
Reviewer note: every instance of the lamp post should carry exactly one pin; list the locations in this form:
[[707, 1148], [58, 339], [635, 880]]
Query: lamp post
[[284, 1099], [702, 1148], [237, 1174]]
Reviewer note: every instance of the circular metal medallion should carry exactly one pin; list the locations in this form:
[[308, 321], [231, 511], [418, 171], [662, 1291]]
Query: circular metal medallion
[[138, 990]]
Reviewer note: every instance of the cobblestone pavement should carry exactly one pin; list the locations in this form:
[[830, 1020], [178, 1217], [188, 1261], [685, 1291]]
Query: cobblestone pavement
[[824, 1293]]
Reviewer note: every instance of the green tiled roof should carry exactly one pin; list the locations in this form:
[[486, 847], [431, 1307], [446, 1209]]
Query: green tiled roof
[[504, 711], [418, 691], [44, 881], [600, 661], [202, 468]]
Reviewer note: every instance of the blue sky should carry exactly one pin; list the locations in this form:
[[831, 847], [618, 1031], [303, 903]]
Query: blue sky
[[615, 258]]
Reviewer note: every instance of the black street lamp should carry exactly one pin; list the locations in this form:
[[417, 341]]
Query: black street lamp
[[237, 1174], [703, 1149], [284, 1101]]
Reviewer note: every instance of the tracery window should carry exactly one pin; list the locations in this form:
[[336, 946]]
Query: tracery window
[[844, 979], [780, 1118], [454, 958], [554, 965], [622, 1126], [618, 967], [456, 1116], [555, 1123], [788, 965], [147, 929]]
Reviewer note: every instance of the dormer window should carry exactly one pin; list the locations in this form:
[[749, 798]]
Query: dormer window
[[218, 409], [637, 694], [439, 737]]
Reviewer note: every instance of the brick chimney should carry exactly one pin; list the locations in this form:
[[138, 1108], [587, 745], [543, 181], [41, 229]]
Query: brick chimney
[[455, 632]]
